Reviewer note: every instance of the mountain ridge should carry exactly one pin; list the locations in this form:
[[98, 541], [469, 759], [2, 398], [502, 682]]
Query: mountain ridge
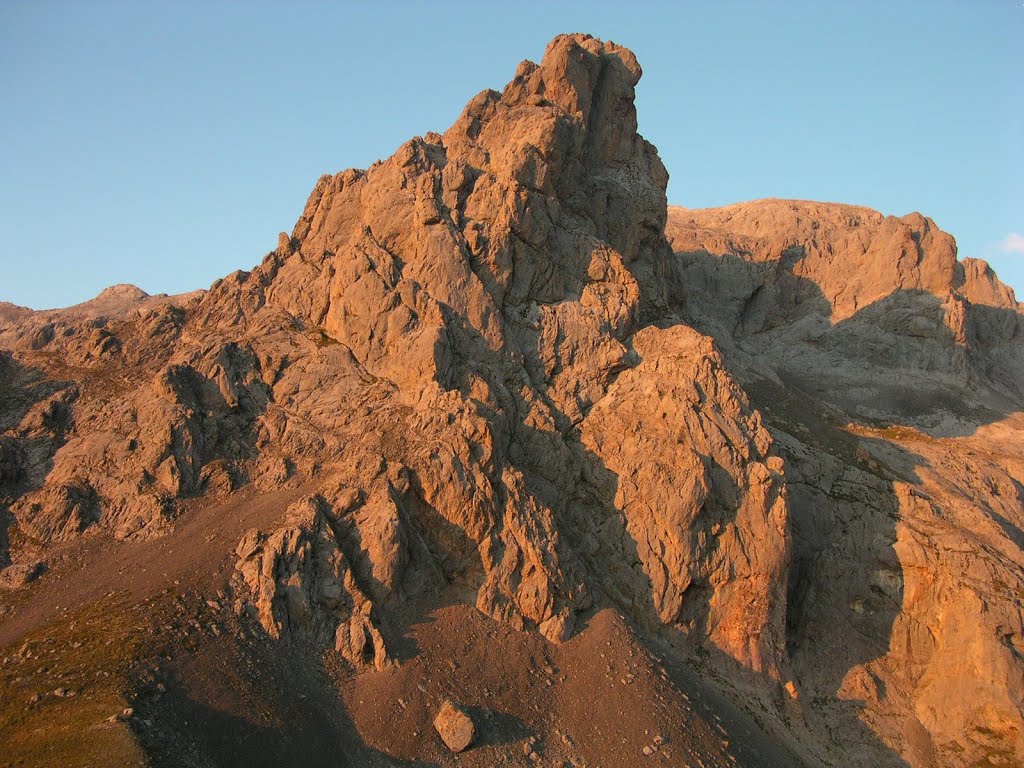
[[497, 370]]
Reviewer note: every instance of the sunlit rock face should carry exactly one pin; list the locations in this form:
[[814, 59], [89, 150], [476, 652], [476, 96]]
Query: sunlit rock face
[[891, 375], [780, 438]]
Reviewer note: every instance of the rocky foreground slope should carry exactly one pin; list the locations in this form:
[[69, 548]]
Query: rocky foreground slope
[[766, 457]]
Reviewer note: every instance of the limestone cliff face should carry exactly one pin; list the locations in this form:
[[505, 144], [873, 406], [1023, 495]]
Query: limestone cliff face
[[487, 374], [891, 375], [434, 337], [873, 313]]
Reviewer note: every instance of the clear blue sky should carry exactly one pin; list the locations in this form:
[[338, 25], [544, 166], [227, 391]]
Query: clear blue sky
[[167, 143]]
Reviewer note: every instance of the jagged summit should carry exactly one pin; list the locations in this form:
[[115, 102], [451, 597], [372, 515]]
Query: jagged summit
[[494, 370]]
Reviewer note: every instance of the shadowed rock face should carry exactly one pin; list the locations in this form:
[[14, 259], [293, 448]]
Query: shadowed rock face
[[488, 375], [873, 314], [891, 376]]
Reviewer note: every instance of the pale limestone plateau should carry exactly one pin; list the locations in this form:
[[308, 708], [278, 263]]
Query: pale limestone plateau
[[783, 437]]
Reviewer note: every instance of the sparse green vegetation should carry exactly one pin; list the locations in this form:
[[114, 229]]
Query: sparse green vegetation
[[323, 340], [61, 684]]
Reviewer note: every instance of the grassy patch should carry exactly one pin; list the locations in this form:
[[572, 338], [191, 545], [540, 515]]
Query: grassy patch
[[61, 683]]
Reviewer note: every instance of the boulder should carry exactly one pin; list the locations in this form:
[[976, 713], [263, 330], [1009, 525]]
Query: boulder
[[454, 726]]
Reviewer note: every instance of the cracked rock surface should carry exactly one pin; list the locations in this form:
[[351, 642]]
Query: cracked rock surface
[[783, 440]]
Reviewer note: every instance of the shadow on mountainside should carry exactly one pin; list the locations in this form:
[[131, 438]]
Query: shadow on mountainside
[[28, 440], [1013, 532], [618, 578], [6, 521], [898, 362], [261, 703], [845, 579], [907, 358]]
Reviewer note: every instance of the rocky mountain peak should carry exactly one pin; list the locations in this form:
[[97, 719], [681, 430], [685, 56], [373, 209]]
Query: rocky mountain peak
[[123, 291], [785, 448], [540, 194]]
